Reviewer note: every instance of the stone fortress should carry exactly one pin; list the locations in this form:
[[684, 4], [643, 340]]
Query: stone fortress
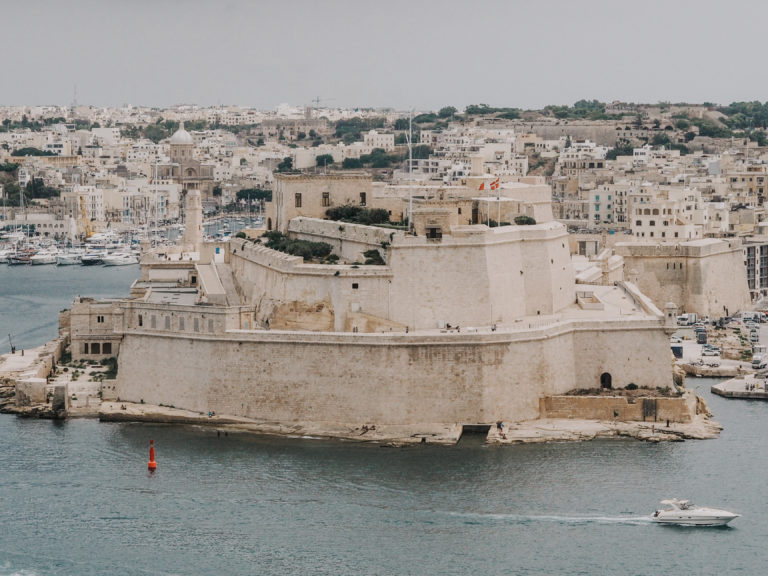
[[463, 325]]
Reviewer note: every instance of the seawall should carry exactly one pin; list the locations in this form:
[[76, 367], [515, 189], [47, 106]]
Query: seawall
[[391, 378]]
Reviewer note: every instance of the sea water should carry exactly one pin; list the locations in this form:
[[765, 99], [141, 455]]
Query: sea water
[[76, 498]]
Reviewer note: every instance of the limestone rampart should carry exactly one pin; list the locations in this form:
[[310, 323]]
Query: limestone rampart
[[349, 241], [392, 378], [522, 270], [703, 276]]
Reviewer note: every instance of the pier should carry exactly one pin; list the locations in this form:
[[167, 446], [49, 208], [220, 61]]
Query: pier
[[749, 388]]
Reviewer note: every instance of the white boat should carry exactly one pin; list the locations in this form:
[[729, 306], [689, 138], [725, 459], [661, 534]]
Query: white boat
[[92, 258], [44, 256], [119, 259], [686, 512], [69, 258]]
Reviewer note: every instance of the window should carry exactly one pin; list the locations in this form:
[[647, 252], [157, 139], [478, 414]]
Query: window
[[95, 348], [167, 322], [85, 348], [141, 320], [100, 319], [181, 323], [106, 348], [210, 325], [362, 198], [193, 280], [298, 199], [354, 286], [196, 325], [434, 233], [326, 198], [154, 321], [652, 223]]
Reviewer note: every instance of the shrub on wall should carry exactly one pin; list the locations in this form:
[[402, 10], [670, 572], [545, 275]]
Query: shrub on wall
[[373, 258], [358, 214], [304, 248]]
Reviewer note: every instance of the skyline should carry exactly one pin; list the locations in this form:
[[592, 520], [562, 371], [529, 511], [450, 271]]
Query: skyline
[[422, 56]]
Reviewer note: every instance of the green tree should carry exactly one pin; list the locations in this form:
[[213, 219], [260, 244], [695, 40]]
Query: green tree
[[30, 151], [447, 112], [401, 124], [351, 163], [324, 160], [286, 165]]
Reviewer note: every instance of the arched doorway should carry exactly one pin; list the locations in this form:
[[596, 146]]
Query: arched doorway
[[269, 223], [605, 380]]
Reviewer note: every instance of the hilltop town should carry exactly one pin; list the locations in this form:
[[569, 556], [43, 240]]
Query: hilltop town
[[414, 273]]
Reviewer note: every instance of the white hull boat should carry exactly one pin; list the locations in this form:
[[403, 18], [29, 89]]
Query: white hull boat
[[684, 512], [68, 259], [43, 257], [119, 259]]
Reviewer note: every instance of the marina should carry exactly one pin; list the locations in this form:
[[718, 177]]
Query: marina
[[110, 248]]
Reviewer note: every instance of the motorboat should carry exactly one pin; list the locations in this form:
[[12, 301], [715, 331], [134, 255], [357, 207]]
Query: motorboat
[[119, 259], [685, 512], [20, 257], [44, 256], [69, 258], [91, 258]]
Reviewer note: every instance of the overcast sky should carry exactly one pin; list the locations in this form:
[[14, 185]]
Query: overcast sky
[[397, 53]]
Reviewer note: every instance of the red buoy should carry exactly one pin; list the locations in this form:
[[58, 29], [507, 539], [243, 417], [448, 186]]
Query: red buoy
[[152, 466]]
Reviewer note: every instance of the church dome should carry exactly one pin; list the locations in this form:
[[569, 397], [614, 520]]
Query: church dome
[[181, 136]]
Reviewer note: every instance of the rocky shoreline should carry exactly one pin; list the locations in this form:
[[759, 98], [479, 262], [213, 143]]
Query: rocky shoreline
[[526, 432]]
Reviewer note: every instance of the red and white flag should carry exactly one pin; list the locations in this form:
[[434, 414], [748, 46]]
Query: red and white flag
[[495, 184], [482, 186]]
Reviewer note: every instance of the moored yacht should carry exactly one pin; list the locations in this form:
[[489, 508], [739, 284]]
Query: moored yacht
[[69, 258], [687, 513], [44, 256], [119, 259]]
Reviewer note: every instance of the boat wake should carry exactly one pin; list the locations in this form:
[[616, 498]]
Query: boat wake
[[475, 518]]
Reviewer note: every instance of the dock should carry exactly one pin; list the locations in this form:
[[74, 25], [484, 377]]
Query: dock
[[748, 388]]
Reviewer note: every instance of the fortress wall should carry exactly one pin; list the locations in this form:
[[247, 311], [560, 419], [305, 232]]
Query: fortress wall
[[381, 378], [349, 241], [708, 279], [601, 133], [624, 355], [470, 278], [548, 275], [445, 282], [270, 279]]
